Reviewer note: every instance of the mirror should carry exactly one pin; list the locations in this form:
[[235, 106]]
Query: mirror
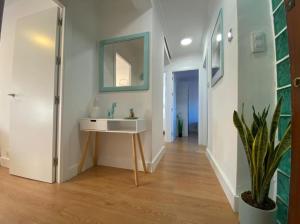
[[217, 51], [124, 63]]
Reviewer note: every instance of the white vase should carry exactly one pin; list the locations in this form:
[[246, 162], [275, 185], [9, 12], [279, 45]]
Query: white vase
[[95, 112], [251, 215]]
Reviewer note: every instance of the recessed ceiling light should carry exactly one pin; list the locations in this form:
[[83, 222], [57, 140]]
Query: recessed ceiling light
[[186, 41]]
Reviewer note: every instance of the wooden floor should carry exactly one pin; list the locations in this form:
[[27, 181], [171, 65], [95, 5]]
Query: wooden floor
[[184, 189]]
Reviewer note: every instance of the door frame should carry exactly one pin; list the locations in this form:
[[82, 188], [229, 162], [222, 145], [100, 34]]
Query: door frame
[[2, 2], [294, 49], [174, 106], [59, 94]]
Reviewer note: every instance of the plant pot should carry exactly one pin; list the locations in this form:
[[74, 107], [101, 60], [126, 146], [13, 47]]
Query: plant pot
[[251, 215], [180, 135]]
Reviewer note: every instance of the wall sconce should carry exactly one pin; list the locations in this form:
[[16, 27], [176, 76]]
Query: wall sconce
[[230, 35]]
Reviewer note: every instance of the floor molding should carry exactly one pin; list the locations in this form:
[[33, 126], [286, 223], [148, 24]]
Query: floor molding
[[157, 159], [4, 162], [122, 164], [231, 196]]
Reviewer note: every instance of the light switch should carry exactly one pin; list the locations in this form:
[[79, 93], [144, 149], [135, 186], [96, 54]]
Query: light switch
[[258, 42]]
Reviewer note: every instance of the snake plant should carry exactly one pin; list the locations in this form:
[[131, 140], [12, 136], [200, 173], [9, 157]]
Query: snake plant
[[179, 125], [262, 151]]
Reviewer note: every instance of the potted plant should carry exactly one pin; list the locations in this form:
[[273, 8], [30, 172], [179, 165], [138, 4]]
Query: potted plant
[[263, 155], [179, 125]]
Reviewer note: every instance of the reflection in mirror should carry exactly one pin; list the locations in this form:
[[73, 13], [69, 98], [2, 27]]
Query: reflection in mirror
[[124, 64]]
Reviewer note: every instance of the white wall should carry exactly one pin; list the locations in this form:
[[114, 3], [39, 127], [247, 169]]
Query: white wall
[[12, 13], [193, 101], [222, 100], [115, 149], [257, 80], [80, 81], [157, 55], [247, 78], [203, 106]]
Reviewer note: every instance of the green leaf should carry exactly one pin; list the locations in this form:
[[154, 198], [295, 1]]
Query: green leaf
[[274, 124], [285, 143], [259, 144], [239, 125]]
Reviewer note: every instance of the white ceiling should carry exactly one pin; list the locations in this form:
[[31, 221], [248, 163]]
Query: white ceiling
[[185, 18]]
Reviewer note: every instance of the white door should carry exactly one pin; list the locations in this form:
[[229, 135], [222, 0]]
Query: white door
[[33, 110]]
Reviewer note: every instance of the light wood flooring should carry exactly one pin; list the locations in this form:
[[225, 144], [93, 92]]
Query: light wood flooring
[[184, 189]]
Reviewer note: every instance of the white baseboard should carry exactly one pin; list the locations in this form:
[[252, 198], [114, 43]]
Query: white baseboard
[[157, 159], [4, 162], [73, 171], [123, 164], [229, 192]]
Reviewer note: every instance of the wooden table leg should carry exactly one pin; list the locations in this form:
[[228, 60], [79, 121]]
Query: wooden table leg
[[134, 157], [96, 150], [84, 153], [142, 152]]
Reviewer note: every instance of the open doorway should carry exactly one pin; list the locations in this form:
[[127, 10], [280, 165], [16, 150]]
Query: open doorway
[[30, 61], [186, 95]]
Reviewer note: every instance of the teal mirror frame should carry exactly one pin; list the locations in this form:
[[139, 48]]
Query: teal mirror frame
[[215, 80], [103, 43]]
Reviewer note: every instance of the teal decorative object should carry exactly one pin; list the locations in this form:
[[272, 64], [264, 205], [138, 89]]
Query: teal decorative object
[[124, 63], [217, 51], [111, 112]]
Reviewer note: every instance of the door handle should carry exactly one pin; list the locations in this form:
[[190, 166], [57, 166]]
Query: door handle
[[12, 95], [296, 82]]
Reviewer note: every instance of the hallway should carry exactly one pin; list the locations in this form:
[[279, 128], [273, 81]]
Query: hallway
[[184, 189]]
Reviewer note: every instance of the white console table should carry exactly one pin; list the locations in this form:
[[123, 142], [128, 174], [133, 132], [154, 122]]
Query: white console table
[[125, 126]]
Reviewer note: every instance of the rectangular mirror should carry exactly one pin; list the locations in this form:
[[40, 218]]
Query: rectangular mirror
[[124, 63], [217, 51]]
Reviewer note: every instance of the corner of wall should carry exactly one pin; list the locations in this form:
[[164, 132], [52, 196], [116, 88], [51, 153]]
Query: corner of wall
[[4, 162], [225, 183]]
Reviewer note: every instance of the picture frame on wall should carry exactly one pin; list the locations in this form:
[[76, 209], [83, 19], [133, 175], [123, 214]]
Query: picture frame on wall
[[217, 51], [1, 13]]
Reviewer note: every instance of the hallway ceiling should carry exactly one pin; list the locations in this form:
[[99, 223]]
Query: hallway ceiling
[[185, 18]]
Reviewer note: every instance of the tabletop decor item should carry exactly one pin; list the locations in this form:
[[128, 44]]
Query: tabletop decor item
[[131, 115]]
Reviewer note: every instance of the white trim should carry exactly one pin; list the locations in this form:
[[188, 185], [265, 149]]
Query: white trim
[[229, 192], [280, 32], [284, 87], [187, 68], [73, 172], [275, 10], [156, 159], [60, 177], [285, 115], [4, 162], [282, 59], [122, 164]]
